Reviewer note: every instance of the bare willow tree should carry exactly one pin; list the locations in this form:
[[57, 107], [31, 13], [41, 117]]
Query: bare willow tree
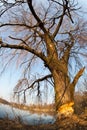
[[50, 33]]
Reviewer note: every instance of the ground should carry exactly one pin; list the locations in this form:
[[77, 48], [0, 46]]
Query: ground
[[70, 123]]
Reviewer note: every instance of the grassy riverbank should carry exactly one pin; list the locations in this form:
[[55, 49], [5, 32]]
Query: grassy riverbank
[[75, 122], [72, 123]]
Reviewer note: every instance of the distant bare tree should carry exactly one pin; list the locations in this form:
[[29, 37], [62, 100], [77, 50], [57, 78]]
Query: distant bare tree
[[51, 34]]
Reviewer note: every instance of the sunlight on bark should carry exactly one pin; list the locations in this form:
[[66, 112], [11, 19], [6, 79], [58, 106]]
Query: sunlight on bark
[[66, 110]]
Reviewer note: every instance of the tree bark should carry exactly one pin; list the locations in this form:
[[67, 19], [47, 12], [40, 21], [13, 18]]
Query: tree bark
[[64, 93]]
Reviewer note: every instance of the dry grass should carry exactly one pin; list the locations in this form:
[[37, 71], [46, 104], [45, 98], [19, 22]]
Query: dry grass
[[72, 123]]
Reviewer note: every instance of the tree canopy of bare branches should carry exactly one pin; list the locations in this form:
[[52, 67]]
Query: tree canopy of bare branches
[[51, 33]]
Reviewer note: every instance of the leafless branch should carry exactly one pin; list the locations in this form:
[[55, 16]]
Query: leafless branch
[[41, 25], [37, 81], [8, 6], [23, 47], [19, 25], [78, 75]]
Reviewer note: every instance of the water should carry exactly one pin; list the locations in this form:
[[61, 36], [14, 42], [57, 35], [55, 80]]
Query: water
[[25, 116]]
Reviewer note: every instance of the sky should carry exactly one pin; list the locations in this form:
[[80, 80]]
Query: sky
[[10, 77]]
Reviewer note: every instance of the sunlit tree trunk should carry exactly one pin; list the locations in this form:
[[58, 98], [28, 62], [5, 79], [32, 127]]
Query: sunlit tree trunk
[[63, 100], [64, 93]]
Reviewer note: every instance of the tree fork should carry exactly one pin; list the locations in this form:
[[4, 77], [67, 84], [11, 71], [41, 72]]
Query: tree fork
[[64, 94]]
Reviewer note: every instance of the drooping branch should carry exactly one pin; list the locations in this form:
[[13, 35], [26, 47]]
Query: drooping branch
[[23, 47], [39, 80], [31, 86]]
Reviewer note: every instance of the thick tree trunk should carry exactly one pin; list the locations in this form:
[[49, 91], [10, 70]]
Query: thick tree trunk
[[63, 100], [64, 92]]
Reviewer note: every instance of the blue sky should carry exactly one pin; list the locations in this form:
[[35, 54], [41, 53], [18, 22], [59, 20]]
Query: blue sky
[[9, 78]]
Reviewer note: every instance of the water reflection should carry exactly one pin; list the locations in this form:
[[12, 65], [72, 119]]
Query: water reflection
[[25, 116]]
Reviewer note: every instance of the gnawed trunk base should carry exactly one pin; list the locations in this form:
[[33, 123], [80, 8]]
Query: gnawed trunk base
[[65, 110]]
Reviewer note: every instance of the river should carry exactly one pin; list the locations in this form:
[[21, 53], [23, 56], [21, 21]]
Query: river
[[26, 117]]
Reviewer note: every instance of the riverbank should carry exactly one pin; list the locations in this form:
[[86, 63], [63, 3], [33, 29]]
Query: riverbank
[[32, 108], [72, 123], [40, 109]]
